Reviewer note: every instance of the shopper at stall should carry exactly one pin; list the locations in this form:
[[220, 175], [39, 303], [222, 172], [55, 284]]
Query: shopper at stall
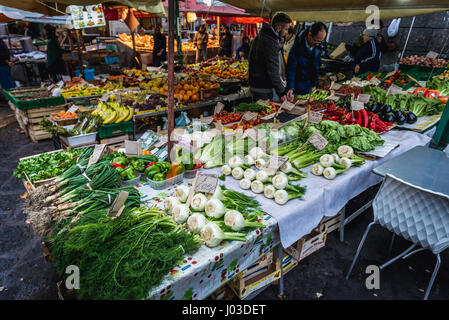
[[243, 51], [304, 59], [226, 39], [5, 67], [160, 47], [368, 56], [200, 40], [55, 65], [264, 68]]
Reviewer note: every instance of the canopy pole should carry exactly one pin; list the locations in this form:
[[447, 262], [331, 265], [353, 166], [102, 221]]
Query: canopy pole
[[408, 36], [329, 31], [171, 78]]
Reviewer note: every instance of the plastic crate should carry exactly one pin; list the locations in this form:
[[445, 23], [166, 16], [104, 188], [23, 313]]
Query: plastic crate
[[80, 139], [159, 185], [132, 181], [114, 129], [421, 73], [37, 103], [405, 67]]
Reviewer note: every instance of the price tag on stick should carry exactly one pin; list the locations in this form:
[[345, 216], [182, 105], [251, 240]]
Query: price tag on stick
[[118, 205], [315, 117], [318, 141], [206, 182], [276, 162], [96, 155], [73, 109], [218, 108], [431, 54], [357, 105]]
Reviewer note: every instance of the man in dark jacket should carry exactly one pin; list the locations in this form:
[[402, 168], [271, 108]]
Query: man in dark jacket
[[160, 47], [264, 59], [200, 40], [368, 56], [304, 59], [226, 39]]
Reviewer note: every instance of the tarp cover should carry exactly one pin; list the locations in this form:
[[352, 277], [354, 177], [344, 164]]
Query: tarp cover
[[150, 6], [340, 10]]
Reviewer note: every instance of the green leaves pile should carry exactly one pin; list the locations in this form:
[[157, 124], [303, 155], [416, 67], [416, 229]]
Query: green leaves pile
[[419, 105], [46, 165]]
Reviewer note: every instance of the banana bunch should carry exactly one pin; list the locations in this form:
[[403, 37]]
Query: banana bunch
[[113, 112]]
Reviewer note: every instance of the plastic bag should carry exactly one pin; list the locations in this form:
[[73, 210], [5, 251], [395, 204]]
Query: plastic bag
[[182, 120], [165, 126], [393, 28]]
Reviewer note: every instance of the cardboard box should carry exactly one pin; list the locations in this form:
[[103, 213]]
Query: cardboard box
[[243, 286], [307, 245], [339, 51]]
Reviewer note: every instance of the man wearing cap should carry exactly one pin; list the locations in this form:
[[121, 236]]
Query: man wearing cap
[[367, 57]]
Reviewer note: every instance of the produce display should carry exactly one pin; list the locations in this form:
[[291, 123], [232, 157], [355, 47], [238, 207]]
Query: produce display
[[331, 165], [443, 75], [364, 118], [113, 112], [222, 68], [146, 43], [30, 94], [62, 115], [87, 123], [142, 102], [223, 215], [398, 78], [49, 165], [441, 85], [226, 117], [315, 94], [423, 61], [80, 90], [274, 184], [416, 104]]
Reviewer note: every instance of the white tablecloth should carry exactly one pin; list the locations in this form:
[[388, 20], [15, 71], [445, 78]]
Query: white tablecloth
[[327, 197]]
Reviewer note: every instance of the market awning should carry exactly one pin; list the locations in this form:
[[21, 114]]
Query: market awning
[[340, 10], [58, 7], [12, 14]]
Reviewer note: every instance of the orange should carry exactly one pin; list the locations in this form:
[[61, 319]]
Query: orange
[[195, 97]]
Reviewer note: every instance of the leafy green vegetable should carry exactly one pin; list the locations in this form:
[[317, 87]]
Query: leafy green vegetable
[[46, 165]]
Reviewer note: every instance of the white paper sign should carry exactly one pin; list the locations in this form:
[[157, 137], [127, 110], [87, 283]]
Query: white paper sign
[[73, 109], [318, 141], [218, 108], [206, 182], [375, 81], [207, 120], [364, 98], [335, 86], [287, 105], [431, 55], [357, 105], [96, 155], [315, 117], [248, 116], [276, 162]]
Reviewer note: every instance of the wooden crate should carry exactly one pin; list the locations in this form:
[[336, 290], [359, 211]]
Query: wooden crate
[[331, 223], [244, 286], [30, 186], [33, 117], [115, 140], [65, 146]]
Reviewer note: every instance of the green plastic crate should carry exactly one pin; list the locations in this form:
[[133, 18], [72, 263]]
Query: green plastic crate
[[37, 103], [421, 73], [405, 67], [114, 129]]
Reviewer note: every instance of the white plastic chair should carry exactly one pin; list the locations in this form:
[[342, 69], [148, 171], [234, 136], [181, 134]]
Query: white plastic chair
[[418, 215]]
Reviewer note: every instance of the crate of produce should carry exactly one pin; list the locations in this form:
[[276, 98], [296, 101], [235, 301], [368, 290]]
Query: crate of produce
[[37, 102], [209, 93], [80, 139], [159, 185], [132, 182], [406, 67], [114, 129]]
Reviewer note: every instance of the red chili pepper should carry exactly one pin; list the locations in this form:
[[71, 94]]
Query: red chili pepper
[[115, 165], [150, 164], [364, 117]]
